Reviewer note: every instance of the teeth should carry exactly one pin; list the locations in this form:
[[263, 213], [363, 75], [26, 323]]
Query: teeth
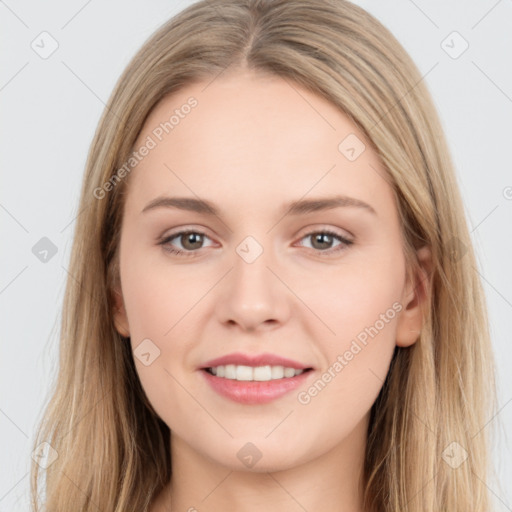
[[244, 373], [289, 372], [262, 373], [250, 373], [277, 372], [230, 372]]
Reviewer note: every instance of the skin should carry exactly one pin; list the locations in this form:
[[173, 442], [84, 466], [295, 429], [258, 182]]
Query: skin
[[252, 144]]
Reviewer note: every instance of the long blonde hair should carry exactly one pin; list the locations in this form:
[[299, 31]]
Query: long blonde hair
[[112, 449]]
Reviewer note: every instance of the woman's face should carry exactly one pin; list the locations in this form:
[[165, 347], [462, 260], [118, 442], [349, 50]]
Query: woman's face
[[277, 271]]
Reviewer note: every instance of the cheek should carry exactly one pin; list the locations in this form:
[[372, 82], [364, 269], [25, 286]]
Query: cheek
[[361, 305], [161, 298], [157, 295], [356, 295]]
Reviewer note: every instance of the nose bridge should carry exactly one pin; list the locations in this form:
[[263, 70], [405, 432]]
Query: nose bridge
[[251, 275], [253, 294]]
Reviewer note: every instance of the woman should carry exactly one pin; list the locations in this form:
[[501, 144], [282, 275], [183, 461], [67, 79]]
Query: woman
[[261, 368]]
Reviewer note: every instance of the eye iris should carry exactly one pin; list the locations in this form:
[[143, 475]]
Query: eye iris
[[195, 239], [320, 237]]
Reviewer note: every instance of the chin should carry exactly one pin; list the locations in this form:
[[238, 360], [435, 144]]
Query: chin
[[259, 457]]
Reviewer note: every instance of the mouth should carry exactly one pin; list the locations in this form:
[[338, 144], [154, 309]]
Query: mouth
[[244, 373], [254, 385], [254, 378]]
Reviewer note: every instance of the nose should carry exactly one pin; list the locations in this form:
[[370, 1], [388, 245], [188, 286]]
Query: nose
[[253, 296]]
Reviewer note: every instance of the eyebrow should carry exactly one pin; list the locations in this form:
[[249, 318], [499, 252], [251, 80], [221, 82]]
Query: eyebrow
[[298, 207]]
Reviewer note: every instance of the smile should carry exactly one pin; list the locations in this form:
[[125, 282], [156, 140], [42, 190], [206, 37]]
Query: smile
[[254, 385], [249, 373]]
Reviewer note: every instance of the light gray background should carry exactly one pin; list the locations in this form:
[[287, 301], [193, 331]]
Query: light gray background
[[50, 109]]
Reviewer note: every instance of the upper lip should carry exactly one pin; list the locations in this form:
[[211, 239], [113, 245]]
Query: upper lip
[[238, 358]]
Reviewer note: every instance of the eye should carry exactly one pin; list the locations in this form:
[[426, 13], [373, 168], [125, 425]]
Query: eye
[[321, 240], [190, 242]]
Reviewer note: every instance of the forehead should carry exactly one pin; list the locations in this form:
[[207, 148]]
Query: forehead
[[250, 136]]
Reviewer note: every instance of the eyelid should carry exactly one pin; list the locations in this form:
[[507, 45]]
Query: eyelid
[[315, 228], [182, 230], [308, 230]]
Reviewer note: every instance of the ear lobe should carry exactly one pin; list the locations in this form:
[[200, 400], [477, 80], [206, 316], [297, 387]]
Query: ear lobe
[[120, 317], [416, 298]]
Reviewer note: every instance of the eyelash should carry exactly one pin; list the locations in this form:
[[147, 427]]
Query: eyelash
[[165, 241]]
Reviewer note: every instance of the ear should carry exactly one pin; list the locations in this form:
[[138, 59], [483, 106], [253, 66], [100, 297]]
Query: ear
[[120, 317], [415, 300]]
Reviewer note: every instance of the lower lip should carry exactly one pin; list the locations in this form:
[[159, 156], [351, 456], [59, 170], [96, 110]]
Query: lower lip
[[254, 392]]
